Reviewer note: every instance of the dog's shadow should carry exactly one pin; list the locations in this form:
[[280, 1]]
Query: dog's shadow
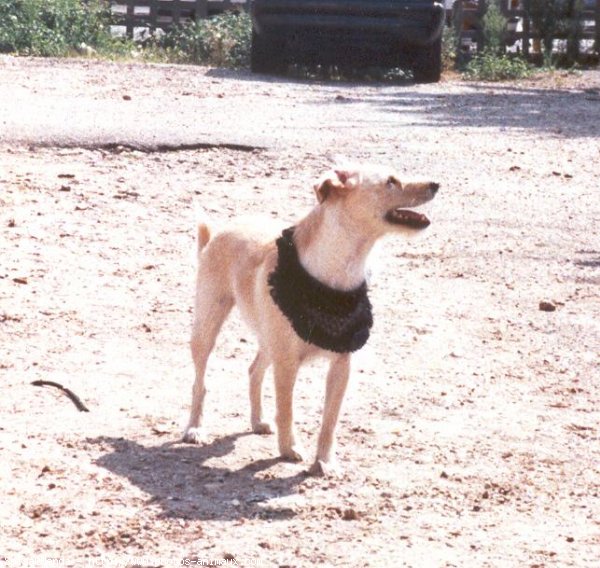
[[176, 478]]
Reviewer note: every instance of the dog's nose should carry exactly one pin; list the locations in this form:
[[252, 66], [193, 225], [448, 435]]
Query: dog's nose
[[433, 187]]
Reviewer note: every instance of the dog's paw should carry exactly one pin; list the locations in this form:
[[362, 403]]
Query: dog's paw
[[294, 453], [262, 428], [194, 436], [325, 469]]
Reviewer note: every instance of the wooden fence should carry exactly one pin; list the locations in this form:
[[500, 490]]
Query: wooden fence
[[467, 18], [153, 14]]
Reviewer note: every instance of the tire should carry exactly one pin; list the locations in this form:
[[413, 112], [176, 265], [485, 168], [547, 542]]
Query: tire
[[427, 65], [266, 55]]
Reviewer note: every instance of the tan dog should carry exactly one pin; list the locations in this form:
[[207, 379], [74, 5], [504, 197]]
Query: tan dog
[[356, 207]]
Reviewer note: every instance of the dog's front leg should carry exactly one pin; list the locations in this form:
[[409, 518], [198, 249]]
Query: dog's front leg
[[257, 372], [337, 381], [285, 373]]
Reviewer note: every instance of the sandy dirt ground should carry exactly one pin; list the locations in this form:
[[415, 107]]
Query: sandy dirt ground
[[470, 434]]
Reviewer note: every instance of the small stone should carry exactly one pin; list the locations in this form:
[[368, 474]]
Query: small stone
[[546, 306], [45, 469], [350, 515]]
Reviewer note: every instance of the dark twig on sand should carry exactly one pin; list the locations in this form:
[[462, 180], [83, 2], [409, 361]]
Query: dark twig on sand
[[76, 400]]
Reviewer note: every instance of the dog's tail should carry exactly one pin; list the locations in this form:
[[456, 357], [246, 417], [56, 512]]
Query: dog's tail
[[202, 229], [203, 236]]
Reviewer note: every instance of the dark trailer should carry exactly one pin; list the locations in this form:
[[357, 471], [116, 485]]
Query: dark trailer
[[358, 33]]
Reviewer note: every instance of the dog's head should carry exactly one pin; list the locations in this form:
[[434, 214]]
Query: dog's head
[[376, 198]]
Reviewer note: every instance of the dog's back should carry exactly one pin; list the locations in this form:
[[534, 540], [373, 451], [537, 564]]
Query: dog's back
[[233, 265]]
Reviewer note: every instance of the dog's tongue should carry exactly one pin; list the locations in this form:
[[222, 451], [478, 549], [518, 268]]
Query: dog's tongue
[[408, 218]]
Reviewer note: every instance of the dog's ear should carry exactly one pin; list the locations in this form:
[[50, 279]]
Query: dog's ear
[[337, 181]]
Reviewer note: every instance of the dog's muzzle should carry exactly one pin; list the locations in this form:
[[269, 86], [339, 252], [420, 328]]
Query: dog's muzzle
[[407, 218]]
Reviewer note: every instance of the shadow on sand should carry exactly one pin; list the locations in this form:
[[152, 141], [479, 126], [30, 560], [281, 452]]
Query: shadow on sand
[[177, 478], [555, 112], [549, 111]]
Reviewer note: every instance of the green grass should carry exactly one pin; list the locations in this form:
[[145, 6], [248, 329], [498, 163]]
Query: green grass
[[53, 27], [58, 28]]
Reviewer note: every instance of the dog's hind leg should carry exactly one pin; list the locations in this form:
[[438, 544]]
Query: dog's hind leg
[[337, 381], [212, 307], [257, 373], [285, 377]]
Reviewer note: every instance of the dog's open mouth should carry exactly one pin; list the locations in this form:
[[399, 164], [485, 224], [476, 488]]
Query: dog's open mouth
[[407, 218]]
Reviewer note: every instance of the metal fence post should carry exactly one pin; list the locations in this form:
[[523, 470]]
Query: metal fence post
[[129, 17], [153, 15], [201, 9], [457, 23], [526, 27], [481, 10], [597, 27]]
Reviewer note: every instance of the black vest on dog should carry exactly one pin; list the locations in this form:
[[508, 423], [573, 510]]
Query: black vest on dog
[[331, 319]]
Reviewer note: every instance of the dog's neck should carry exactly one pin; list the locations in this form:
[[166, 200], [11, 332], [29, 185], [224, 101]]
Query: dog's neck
[[332, 248]]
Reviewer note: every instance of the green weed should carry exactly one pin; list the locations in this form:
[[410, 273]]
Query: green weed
[[494, 64], [53, 27], [224, 40], [489, 66]]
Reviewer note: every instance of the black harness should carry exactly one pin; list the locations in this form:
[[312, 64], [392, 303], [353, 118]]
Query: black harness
[[331, 319]]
